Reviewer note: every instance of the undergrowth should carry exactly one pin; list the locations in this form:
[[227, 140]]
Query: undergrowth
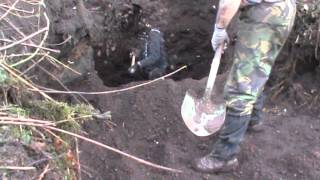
[[57, 148]]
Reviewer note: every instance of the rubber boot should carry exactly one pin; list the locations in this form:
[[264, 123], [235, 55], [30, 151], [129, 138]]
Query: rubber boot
[[223, 156], [256, 122]]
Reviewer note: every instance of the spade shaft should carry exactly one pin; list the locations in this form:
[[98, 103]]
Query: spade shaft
[[213, 73]]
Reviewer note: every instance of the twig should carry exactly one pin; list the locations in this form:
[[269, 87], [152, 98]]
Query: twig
[[16, 9], [47, 158], [43, 137], [24, 39], [25, 81], [20, 16], [314, 101], [23, 123], [318, 40], [33, 65], [68, 120], [46, 169], [3, 114], [41, 43], [139, 160], [20, 55], [27, 120], [58, 80], [58, 137], [33, 45], [275, 95], [17, 168], [65, 66], [78, 159], [87, 173], [113, 91], [114, 150], [12, 7], [63, 42], [54, 60]]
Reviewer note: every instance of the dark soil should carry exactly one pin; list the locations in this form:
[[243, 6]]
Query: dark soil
[[187, 28], [148, 124]]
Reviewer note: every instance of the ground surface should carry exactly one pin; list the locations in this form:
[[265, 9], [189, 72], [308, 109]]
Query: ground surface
[[148, 122], [149, 125]]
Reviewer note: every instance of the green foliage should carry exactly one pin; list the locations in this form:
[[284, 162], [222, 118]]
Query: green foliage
[[68, 117], [19, 111], [22, 133], [3, 76], [26, 136]]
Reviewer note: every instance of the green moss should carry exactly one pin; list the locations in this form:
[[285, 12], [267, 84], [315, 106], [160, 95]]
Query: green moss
[[68, 117], [19, 111], [3, 76]]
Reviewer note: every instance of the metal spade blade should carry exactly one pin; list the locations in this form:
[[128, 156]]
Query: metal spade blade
[[202, 116]]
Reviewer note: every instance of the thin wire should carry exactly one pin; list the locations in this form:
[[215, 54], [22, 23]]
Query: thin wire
[[113, 91]]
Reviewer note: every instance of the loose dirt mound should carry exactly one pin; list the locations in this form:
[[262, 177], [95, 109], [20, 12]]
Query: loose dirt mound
[[149, 125]]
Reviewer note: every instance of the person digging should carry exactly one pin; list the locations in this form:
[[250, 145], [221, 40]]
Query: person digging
[[151, 56], [264, 27]]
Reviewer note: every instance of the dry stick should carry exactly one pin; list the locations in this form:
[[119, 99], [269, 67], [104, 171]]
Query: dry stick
[[46, 55], [25, 81], [114, 150], [61, 84], [22, 123], [32, 45], [318, 41], [63, 42], [27, 120], [33, 65], [31, 55], [24, 39], [18, 15], [33, 2], [17, 168], [47, 158], [68, 120], [16, 9], [46, 169], [57, 61], [20, 55], [58, 137], [113, 91], [78, 159], [101, 145], [87, 173], [12, 7], [40, 45]]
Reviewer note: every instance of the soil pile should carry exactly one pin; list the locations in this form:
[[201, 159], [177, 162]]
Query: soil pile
[[147, 123]]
